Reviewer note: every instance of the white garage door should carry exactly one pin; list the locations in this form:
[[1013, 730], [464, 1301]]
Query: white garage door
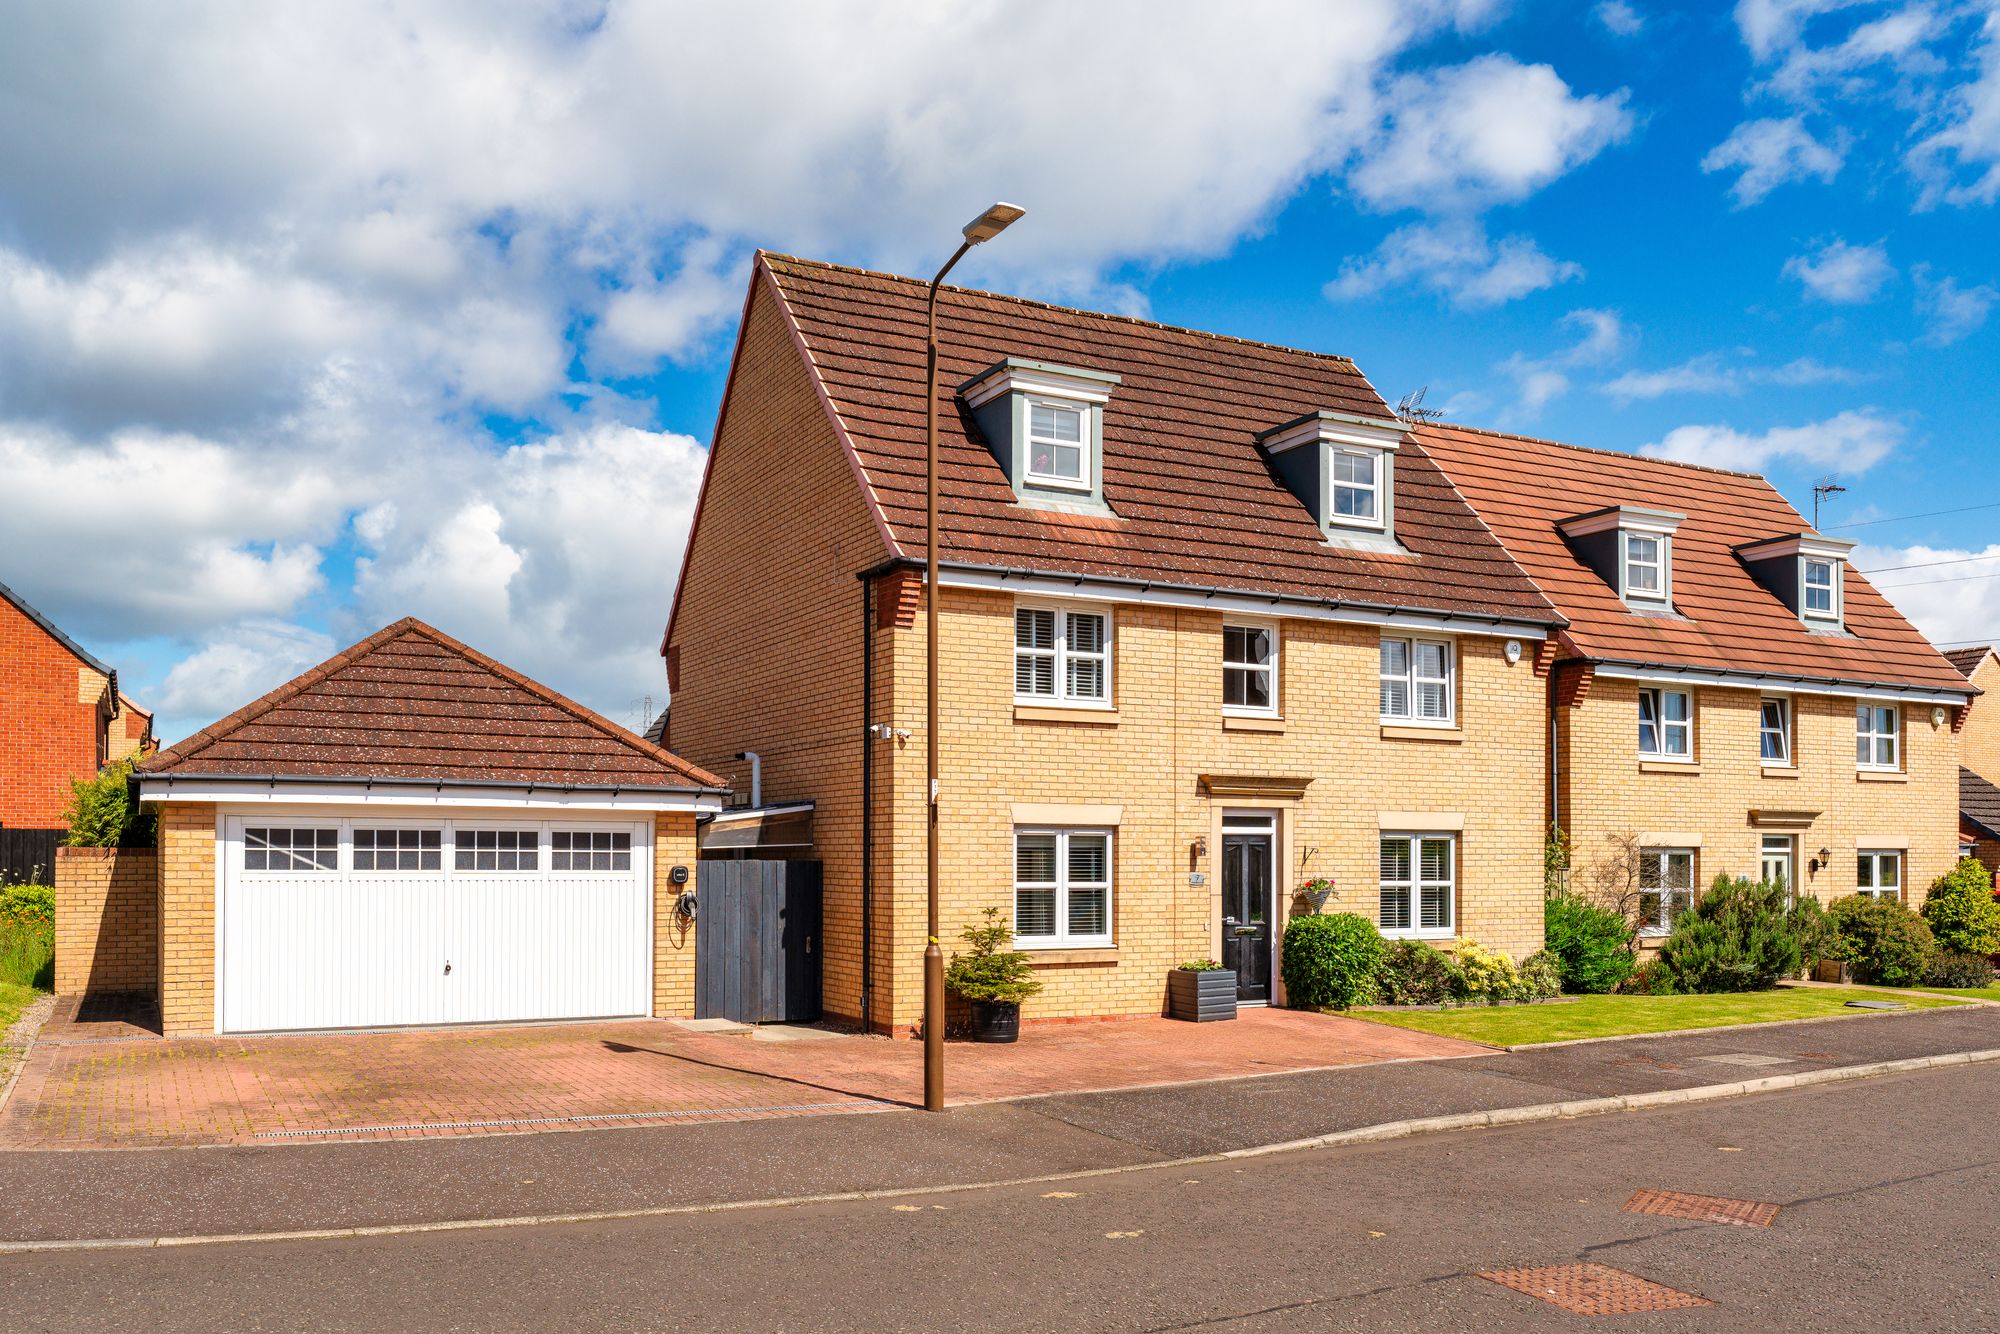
[[362, 922]]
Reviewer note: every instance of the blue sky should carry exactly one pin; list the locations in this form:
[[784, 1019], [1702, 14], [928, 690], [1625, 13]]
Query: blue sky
[[314, 318]]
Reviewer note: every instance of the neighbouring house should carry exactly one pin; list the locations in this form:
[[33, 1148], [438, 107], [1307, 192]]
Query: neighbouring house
[[1979, 759], [1218, 624], [61, 717], [409, 833], [1728, 694], [1215, 626]]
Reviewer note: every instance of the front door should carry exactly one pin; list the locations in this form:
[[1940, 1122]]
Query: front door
[[1777, 864], [1246, 911]]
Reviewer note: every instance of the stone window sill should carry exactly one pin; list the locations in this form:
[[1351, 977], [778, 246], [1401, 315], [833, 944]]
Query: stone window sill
[[1450, 736], [1045, 713], [1880, 776], [1780, 771], [1238, 722], [1060, 958], [1668, 767]]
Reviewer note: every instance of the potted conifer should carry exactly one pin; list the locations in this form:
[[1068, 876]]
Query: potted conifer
[[994, 977]]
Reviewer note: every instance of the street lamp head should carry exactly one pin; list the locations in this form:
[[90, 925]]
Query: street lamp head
[[991, 223]]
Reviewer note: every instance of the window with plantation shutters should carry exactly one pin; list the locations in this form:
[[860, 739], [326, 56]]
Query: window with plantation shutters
[[1416, 681], [1062, 888], [1062, 656], [1418, 885]]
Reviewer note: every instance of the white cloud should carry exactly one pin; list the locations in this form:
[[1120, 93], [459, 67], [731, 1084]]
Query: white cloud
[[1619, 18], [1896, 39], [235, 665], [1455, 259], [1771, 27], [1952, 312], [1843, 274], [1768, 153], [1490, 130], [1715, 373], [1539, 381], [1960, 163], [1853, 441], [1955, 603]]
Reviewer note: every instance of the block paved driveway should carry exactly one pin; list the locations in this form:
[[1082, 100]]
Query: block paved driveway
[[106, 1082]]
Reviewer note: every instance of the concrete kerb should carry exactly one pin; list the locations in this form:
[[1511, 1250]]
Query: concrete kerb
[[1389, 1130]]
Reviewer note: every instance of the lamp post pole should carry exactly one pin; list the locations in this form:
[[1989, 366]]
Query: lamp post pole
[[982, 228]]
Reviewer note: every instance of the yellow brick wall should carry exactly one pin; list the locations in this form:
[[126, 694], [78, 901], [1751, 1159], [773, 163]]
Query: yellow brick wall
[[1169, 731], [1979, 743], [1608, 793], [107, 920], [187, 917], [673, 939], [769, 636]]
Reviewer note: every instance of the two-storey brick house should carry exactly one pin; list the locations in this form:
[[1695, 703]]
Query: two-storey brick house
[[1214, 625]]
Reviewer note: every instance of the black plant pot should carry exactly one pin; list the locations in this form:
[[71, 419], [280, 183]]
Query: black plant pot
[[996, 1021], [1201, 997]]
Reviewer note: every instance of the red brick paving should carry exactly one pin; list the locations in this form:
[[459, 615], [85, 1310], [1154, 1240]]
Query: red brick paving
[[1702, 1208], [1593, 1289], [113, 1084]]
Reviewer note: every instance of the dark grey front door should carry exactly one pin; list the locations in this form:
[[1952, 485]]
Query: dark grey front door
[[1246, 913]]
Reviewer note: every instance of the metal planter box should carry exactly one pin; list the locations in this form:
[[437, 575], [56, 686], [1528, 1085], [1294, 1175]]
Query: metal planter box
[[1201, 997]]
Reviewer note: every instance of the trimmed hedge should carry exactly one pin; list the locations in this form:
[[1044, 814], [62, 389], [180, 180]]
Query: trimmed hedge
[[1330, 962], [1885, 942], [1591, 946]]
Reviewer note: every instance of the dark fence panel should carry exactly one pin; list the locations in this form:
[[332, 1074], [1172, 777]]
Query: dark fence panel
[[757, 942], [29, 854]]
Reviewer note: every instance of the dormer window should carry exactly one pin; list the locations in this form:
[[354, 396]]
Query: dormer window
[[1045, 426], [1807, 573], [1632, 549], [1342, 468]]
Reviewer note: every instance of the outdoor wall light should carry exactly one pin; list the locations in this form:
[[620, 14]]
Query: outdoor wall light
[[1201, 846]]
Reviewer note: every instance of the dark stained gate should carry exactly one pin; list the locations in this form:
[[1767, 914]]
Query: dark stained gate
[[757, 941], [29, 855]]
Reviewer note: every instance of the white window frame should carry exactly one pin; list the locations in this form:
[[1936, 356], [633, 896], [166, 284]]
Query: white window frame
[[292, 825], [1875, 859], [465, 839], [1783, 732], [1771, 844], [1662, 725], [1415, 886], [1411, 679], [1832, 613], [418, 827], [1373, 488], [1064, 939], [1268, 669], [1082, 444], [1659, 857], [1061, 655], [1661, 565], [1866, 715]]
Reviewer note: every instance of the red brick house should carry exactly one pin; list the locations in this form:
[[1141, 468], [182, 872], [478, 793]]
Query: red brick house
[[61, 716]]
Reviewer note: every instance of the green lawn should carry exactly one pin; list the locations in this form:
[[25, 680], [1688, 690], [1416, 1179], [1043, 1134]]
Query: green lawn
[[14, 998], [1615, 1016], [1976, 993]]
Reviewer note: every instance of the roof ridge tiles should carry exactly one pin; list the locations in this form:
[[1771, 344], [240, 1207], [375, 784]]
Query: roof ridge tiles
[[1589, 449], [771, 256]]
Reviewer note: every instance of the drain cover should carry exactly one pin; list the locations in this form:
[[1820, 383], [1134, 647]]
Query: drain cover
[[1702, 1208], [1876, 1005], [1746, 1058], [1589, 1289]]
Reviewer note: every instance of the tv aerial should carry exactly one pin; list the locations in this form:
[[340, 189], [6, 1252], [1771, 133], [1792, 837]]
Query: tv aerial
[[1412, 408]]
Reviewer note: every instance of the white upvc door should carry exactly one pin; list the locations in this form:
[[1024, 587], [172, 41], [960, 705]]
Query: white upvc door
[[304, 945]]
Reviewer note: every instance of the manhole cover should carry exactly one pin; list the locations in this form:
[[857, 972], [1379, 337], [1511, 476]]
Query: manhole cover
[[1746, 1058], [1589, 1289], [1702, 1208]]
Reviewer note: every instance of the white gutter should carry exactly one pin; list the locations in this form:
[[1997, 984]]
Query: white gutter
[[266, 790], [1784, 685]]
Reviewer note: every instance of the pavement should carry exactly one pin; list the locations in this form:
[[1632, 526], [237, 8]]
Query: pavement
[[99, 1077], [263, 1188], [1882, 1190]]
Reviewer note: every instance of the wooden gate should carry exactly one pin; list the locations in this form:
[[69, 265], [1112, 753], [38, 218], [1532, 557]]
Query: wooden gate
[[757, 942], [29, 855]]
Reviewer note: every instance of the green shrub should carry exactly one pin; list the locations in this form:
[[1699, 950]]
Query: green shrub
[[1818, 939], [1489, 976], [104, 813], [1414, 973], [1885, 942], [28, 953], [1592, 946], [1200, 966], [1961, 912], [27, 905], [1648, 979], [1330, 961], [1738, 937], [1541, 976], [1955, 968], [990, 970]]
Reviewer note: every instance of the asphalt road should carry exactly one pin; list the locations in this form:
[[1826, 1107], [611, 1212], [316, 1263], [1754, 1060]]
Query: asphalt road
[[1887, 1187]]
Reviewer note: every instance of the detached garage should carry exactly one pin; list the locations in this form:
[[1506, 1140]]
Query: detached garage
[[413, 833]]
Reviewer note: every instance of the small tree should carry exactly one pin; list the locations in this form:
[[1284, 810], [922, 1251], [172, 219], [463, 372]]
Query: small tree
[[1737, 938], [990, 970], [1961, 912], [104, 812]]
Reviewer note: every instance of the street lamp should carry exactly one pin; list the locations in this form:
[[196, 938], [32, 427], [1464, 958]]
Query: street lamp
[[982, 228]]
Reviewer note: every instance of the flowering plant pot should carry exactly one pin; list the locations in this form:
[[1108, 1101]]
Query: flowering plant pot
[[1201, 996]]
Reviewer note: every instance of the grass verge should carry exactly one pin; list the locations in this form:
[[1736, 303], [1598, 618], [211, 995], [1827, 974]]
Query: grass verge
[[1618, 1016], [1973, 993]]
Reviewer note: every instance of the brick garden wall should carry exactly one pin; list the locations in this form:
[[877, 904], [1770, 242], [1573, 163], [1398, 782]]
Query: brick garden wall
[[107, 920]]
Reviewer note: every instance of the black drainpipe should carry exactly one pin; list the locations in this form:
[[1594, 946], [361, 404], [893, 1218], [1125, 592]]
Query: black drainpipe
[[867, 801]]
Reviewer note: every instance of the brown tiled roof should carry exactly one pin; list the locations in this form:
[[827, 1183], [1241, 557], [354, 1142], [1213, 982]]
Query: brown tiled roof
[[1967, 660], [1194, 502], [411, 703], [1727, 621], [1979, 801]]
